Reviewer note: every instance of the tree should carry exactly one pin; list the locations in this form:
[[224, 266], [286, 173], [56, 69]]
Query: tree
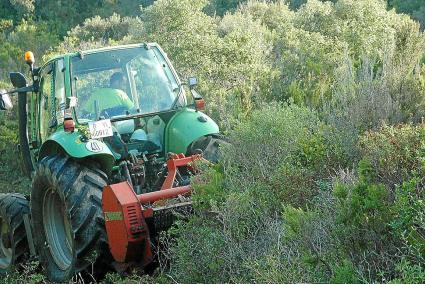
[[27, 35], [220, 7], [416, 8]]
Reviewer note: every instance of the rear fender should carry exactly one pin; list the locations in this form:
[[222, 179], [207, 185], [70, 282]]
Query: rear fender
[[185, 127], [76, 147]]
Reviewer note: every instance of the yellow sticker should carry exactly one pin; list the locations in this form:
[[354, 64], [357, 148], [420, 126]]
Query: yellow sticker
[[113, 216]]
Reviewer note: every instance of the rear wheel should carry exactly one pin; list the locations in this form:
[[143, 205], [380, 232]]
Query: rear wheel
[[67, 216], [13, 239], [209, 145]]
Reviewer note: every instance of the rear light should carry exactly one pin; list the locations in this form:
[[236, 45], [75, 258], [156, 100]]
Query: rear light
[[199, 104], [68, 124]]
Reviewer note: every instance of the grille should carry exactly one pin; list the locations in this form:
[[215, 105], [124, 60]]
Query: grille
[[135, 225]]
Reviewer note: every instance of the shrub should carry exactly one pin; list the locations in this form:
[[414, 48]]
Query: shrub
[[364, 211], [396, 152], [11, 179], [382, 213], [27, 35], [239, 233], [209, 188], [409, 273], [345, 273], [318, 39], [28, 273], [270, 135], [409, 221]]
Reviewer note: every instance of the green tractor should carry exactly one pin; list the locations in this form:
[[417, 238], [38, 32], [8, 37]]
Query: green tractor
[[109, 140]]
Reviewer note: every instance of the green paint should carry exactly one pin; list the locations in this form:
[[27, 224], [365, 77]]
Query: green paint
[[185, 127], [113, 216], [75, 147]]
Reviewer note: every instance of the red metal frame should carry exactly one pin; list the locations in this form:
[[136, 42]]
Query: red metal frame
[[125, 224], [173, 163], [125, 213], [152, 197]]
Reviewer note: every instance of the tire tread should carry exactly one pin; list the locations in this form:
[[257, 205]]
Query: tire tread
[[12, 208], [78, 187]]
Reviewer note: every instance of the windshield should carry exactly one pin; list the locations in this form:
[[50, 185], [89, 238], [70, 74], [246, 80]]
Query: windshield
[[121, 82]]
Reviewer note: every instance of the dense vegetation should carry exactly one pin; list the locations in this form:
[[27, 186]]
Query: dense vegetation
[[323, 102]]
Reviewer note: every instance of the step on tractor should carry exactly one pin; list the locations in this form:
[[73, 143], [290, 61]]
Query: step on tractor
[[110, 140]]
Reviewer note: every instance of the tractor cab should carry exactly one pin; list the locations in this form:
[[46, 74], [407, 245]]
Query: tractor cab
[[136, 80], [135, 88]]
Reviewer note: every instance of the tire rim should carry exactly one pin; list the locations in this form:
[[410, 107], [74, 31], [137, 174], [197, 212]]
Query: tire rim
[[57, 230], [6, 252]]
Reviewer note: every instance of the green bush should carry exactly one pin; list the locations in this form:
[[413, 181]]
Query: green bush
[[276, 214], [395, 152], [416, 8], [345, 273], [409, 221], [209, 188], [11, 179], [239, 233], [17, 39], [29, 273], [365, 211], [382, 212], [409, 273]]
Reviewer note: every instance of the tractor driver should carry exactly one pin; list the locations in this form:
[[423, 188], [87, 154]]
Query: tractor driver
[[112, 97]]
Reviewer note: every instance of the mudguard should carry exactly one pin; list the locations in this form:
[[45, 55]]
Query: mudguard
[[76, 147], [185, 127]]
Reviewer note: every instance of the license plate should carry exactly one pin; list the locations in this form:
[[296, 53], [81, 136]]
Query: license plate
[[101, 128]]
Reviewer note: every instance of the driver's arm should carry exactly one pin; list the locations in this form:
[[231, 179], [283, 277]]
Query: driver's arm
[[125, 100], [89, 105]]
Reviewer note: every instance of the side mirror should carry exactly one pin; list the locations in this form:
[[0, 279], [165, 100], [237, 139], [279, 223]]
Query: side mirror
[[18, 79], [198, 99], [5, 101], [193, 82]]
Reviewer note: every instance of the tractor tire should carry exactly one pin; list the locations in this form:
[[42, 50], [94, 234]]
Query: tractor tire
[[13, 243], [210, 147], [67, 216]]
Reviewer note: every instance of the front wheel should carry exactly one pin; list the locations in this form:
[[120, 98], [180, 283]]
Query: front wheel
[[67, 216], [209, 145]]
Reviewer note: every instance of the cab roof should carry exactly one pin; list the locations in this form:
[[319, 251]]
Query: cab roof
[[103, 49]]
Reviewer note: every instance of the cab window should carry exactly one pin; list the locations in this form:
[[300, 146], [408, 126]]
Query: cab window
[[51, 98], [60, 98]]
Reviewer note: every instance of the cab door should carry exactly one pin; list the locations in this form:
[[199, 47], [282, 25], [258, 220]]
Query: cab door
[[51, 100]]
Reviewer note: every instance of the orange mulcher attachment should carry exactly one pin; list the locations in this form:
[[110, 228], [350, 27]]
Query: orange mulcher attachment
[[126, 213]]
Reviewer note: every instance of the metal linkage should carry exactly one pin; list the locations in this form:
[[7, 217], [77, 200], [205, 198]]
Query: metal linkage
[[175, 162]]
